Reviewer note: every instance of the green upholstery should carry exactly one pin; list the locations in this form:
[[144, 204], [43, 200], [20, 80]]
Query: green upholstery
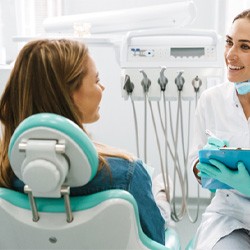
[[190, 245], [86, 202]]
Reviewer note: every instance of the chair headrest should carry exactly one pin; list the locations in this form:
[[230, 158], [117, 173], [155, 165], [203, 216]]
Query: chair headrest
[[47, 151]]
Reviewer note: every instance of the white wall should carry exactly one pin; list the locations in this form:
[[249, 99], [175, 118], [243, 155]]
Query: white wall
[[8, 28]]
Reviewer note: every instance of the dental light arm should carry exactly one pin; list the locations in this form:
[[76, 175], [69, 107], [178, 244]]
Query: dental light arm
[[164, 15]]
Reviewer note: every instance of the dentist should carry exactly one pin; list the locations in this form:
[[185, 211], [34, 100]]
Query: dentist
[[225, 110]]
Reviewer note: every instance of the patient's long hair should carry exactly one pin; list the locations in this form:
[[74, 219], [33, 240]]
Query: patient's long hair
[[45, 75]]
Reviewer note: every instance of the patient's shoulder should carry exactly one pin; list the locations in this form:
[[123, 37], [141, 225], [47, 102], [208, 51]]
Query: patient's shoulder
[[119, 166]]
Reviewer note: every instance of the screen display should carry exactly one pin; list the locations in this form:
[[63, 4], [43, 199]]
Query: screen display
[[188, 52]]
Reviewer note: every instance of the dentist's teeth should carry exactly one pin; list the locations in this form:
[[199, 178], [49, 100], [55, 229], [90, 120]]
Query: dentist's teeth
[[235, 67]]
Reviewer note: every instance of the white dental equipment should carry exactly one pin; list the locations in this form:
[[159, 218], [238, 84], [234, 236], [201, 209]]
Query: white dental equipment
[[179, 64], [195, 53]]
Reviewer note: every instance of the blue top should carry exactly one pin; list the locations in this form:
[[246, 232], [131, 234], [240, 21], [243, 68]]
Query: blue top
[[129, 176]]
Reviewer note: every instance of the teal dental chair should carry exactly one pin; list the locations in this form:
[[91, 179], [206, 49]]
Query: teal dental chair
[[190, 245], [50, 154]]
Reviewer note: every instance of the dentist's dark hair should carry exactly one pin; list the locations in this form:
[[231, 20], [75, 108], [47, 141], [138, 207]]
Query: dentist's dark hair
[[44, 77], [243, 14]]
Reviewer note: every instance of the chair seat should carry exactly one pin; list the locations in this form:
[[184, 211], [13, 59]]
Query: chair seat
[[100, 222]]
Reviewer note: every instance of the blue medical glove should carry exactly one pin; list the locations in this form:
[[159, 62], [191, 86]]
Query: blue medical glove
[[207, 181], [215, 143], [238, 179]]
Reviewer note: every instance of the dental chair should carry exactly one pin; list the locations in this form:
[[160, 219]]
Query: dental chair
[[51, 154]]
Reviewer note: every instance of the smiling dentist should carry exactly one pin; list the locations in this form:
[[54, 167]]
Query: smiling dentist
[[225, 110]]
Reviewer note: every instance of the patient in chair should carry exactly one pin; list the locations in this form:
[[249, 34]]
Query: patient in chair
[[59, 76]]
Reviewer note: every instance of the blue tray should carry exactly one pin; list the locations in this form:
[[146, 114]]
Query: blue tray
[[230, 157]]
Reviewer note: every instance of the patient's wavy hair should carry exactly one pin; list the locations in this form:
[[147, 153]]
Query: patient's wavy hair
[[45, 75]]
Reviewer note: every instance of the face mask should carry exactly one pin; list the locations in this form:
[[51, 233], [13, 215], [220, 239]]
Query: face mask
[[242, 87]]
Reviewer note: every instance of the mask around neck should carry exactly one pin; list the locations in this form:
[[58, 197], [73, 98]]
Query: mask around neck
[[242, 87]]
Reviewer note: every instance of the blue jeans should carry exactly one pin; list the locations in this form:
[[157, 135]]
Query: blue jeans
[[129, 176]]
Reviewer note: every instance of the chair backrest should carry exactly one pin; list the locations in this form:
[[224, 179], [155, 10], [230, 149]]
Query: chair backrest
[[46, 145], [47, 151]]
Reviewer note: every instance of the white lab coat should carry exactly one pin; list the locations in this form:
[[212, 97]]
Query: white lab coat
[[220, 111]]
